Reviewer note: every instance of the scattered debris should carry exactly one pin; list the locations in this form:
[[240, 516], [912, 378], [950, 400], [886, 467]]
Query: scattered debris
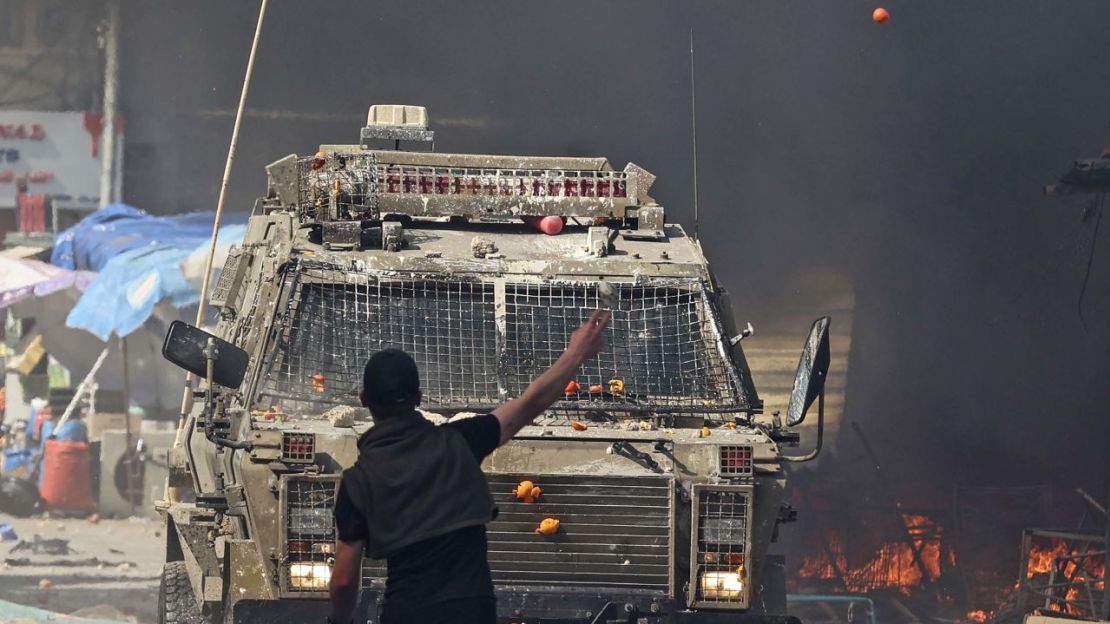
[[92, 562], [578, 426], [18, 497], [345, 415], [482, 247], [434, 418], [39, 546]]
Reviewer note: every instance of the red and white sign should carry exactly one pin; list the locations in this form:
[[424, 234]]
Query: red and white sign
[[58, 154]]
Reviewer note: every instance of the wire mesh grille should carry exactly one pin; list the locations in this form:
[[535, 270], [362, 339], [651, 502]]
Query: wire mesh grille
[[663, 348], [309, 533], [337, 187], [331, 328], [721, 557], [659, 349]]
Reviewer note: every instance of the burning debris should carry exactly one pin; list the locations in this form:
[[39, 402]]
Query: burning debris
[[904, 566], [959, 566], [1064, 573]]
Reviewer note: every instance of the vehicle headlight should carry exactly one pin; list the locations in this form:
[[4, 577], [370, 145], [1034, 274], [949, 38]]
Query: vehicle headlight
[[309, 531], [309, 576], [720, 542], [721, 586]]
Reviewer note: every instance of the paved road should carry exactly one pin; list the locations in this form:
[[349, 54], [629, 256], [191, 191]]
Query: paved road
[[123, 581]]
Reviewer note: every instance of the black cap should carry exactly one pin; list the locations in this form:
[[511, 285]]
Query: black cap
[[390, 378]]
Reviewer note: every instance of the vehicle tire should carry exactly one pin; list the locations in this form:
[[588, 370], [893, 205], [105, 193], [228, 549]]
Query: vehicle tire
[[176, 603]]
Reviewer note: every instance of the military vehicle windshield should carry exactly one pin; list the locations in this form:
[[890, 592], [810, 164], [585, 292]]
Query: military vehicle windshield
[[478, 342]]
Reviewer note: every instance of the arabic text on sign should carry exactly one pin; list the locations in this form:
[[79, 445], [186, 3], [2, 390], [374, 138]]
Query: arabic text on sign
[[33, 132], [34, 177]]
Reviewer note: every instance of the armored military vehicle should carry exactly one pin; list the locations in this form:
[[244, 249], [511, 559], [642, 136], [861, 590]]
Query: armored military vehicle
[[658, 462]]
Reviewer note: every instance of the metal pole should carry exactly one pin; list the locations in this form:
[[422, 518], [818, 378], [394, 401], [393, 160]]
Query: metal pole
[[130, 444], [1023, 570], [694, 133], [111, 86], [82, 388], [187, 390], [1105, 568]]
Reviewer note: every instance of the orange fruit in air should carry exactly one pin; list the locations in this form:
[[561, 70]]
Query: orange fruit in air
[[548, 526], [880, 15], [578, 426], [572, 387]]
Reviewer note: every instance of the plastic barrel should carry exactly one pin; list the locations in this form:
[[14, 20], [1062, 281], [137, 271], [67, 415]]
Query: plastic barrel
[[66, 482]]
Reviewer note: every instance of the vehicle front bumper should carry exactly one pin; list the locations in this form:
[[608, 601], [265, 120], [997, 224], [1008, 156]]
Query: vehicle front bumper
[[522, 606]]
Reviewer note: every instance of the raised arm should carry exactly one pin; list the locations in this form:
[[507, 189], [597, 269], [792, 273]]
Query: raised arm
[[585, 343]]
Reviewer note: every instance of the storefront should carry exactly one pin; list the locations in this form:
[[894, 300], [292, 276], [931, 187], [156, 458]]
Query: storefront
[[50, 164]]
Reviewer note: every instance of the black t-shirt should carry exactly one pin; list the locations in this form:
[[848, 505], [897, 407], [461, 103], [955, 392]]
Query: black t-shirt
[[447, 567]]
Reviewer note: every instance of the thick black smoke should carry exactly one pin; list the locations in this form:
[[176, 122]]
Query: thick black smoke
[[910, 154]]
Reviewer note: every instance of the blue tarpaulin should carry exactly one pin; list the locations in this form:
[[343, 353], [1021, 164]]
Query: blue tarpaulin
[[139, 259], [117, 228]]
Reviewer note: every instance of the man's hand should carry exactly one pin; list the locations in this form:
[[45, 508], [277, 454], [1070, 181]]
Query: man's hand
[[588, 340], [585, 343]]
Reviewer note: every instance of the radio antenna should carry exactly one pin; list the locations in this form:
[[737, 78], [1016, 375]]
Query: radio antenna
[[209, 260], [694, 131]]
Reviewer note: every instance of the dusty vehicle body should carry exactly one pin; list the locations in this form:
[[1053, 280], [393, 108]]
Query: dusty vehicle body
[[669, 498]]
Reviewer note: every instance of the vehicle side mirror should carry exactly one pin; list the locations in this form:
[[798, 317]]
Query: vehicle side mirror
[[813, 367], [185, 346]]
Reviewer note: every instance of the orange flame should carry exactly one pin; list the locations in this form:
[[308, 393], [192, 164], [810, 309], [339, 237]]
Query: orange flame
[[978, 615], [891, 567], [1068, 563]]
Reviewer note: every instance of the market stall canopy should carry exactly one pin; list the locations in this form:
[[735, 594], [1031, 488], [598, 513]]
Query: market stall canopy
[[154, 382], [21, 278], [141, 262]]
